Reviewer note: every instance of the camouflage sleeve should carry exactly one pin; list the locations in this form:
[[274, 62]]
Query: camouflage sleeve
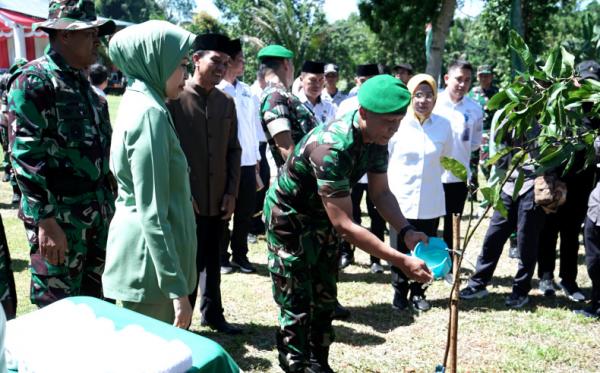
[[378, 159], [276, 113], [29, 100], [331, 168]]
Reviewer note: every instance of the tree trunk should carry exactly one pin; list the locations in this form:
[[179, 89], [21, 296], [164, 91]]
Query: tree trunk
[[438, 38]]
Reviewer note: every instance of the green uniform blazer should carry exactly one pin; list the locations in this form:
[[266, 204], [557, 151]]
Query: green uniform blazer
[[151, 250]]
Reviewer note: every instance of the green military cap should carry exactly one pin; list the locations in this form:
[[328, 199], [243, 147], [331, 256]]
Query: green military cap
[[384, 94], [75, 15], [276, 51], [484, 69]]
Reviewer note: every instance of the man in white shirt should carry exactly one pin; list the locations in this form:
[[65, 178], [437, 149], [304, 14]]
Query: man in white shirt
[[466, 119], [331, 92], [312, 83], [248, 127], [363, 73], [403, 71], [257, 226], [99, 79]]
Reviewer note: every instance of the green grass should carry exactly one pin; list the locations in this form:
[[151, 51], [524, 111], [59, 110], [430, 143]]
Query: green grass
[[545, 336], [113, 106]]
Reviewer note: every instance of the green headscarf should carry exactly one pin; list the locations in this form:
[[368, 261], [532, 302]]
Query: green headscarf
[[150, 52]]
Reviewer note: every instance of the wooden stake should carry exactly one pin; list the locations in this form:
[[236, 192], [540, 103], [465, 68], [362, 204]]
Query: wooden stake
[[453, 332]]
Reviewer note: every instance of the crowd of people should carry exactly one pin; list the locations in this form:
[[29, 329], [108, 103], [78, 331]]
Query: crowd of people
[[140, 211]]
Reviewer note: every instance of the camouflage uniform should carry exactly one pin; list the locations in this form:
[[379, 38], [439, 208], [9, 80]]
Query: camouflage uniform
[[302, 243], [478, 157], [60, 145], [4, 133], [8, 294], [276, 103]]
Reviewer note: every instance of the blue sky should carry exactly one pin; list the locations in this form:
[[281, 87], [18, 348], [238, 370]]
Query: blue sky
[[340, 9]]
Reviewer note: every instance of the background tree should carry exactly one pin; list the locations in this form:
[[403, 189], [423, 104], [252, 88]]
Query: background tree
[[178, 11], [136, 11], [203, 23], [401, 27]]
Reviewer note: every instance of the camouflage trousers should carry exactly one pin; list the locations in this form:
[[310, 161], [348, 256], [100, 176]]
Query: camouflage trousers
[[8, 294], [303, 266], [86, 229]]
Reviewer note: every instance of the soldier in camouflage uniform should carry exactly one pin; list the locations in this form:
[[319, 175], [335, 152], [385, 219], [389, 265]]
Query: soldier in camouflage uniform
[[284, 118], [309, 205], [482, 93], [8, 293], [4, 133], [60, 147]]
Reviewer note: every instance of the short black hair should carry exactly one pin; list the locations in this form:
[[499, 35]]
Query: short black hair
[[98, 74], [260, 73], [460, 64], [272, 63]]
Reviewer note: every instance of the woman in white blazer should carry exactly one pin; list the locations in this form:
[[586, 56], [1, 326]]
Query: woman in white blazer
[[414, 175]]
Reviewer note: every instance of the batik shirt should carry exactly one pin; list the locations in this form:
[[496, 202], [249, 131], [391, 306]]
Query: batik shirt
[[281, 111]]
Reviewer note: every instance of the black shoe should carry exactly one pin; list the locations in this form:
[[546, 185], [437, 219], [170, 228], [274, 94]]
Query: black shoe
[[345, 261], [589, 311], [243, 264], [572, 291], [6, 177], [376, 268], [400, 304], [340, 312], [223, 327], [226, 267], [420, 303], [516, 301], [319, 362], [546, 285], [473, 293]]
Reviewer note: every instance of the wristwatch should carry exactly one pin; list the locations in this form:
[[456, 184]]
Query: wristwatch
[[407, 227]]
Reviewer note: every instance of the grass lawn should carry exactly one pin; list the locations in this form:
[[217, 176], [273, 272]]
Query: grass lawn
[[544, 336]]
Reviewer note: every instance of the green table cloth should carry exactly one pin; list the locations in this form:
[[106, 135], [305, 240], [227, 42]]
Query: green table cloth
[[207, 356]]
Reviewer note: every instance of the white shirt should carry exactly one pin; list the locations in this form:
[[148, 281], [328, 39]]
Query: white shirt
[[466, 119], [98, 91], [323, 110], [248, 119], [257, 95], [414, 168], [348, 105], [336, 99]]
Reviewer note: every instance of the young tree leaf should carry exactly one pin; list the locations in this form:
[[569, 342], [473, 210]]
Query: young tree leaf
[[497, 100], [454, 166], [553, 63], [518, 184]]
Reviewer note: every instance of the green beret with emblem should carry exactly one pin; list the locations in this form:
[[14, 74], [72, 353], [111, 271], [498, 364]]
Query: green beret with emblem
[[75, 15], [275, 51], [384, 94]]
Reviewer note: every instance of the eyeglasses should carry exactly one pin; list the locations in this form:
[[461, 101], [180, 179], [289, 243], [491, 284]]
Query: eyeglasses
[[426, 96]]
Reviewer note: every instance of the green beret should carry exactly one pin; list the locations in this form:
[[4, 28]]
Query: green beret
[[384, 94], [275, 50]]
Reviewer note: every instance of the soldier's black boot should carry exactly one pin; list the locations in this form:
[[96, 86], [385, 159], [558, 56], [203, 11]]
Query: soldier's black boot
[[16, 198], [286, 362], [340, 312], [319, 361], [400, 302]]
